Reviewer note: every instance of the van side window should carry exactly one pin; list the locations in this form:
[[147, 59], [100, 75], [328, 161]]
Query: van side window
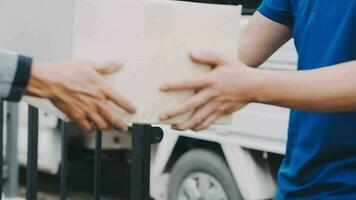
[[249, 6]]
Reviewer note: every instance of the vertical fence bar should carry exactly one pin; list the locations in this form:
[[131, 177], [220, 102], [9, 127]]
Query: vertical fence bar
[[12, 181], [64, 162], [1, 144], [140, 165], [32, 153], [97, 170]]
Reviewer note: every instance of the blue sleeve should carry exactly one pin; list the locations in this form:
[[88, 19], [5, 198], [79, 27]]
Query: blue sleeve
[[279, 11]]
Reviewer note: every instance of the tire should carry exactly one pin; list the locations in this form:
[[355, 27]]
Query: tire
[[202, 163]]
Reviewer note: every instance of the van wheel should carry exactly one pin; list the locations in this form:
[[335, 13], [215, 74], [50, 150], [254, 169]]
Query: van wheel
[[204, 175]]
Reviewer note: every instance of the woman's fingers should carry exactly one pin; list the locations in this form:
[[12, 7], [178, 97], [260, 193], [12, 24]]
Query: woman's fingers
[[73, 110], [119, 100], [98, 120], [86, 125], [110, 115], [79, 117], [90, 108], [191, 104]]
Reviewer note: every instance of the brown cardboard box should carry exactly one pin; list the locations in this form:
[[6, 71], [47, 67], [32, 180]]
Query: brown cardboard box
[[153, 38]]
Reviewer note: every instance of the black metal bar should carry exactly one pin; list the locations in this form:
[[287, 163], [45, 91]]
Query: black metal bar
[[1, 144], [11, 185], [98, 172], [64, 163], [140, 165], [32, 153]]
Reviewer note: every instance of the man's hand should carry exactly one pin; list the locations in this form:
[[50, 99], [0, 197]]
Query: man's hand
[[78, 89], [224, 90]]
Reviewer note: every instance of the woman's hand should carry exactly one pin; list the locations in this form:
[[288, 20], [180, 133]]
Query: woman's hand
[[227, 88], [78, 89]]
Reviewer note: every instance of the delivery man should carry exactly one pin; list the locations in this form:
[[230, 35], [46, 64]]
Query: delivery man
[[76, 88], [320, 162]]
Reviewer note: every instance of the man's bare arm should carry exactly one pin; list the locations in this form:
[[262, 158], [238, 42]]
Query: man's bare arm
[[232, 85], [330, 89], [260, 39]]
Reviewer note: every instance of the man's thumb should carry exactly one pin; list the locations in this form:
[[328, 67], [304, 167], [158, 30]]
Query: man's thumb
[[108, 68], [207, 58]]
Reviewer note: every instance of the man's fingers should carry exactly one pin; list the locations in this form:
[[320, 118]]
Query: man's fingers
[[106, 69], [207, 122], [198, 117], [192, 103], [207, 58], [120, 100], [189, 84], [110, 115]]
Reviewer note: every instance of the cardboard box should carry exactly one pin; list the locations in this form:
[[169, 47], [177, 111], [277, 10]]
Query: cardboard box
[[153, 38]]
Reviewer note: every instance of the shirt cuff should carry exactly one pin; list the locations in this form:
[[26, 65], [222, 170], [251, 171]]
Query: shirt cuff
[[22, 77]]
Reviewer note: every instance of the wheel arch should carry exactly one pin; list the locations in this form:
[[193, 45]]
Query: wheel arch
[[185, 144]]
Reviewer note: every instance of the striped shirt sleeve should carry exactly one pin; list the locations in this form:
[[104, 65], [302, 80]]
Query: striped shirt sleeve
[[15, 72]]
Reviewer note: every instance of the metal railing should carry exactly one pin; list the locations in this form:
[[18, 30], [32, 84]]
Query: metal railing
[[8, 161], [1, 143], [143, 135]]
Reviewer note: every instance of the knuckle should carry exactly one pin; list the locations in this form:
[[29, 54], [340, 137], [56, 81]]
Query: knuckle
[[222, 109], [82, 120], [77, 116], [211, 80], [204, 125], [197, 122], [103, 89], [104, 126]]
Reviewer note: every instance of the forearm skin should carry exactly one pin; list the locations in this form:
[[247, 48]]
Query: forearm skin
[[260, 39], [329, 89]]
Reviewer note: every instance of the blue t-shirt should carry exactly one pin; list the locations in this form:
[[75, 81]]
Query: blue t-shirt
[[320, 161]]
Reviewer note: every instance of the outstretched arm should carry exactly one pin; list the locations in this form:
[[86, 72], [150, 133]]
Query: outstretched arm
[[77, 88], [232, 84], [260, 39]]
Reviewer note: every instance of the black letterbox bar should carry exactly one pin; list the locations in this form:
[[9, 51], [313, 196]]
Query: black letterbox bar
[[1, 144], [64, 162], [97, 170], [32, 153]]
